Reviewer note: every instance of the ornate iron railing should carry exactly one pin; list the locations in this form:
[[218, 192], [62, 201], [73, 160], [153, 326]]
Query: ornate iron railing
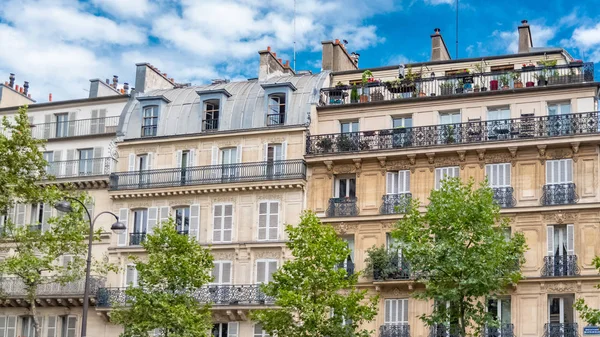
[[561, 330], [136, 239], [504, 330], [395, 203], [210, 125], [559, 194], [204, 175], [80, 167], [504, 197], [342, 207], [459, 84], [348, 265], [394, 330], [247, 294], [565, 265], [458, 133], [397, 269], [275, 119], [14, 287], [444, 330], [76, 128]]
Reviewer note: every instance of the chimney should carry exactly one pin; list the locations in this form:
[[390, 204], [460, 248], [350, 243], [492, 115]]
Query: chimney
[[525, 42], [11, 78], [115, 81], [439, 51], [17, 88], [50, 97], [126, 87], [336, 58], [270, 66], [148, 77], [26, 86]]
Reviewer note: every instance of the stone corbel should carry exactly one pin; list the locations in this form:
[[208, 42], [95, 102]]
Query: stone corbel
[[430, 159], [481, 157], [358, 165], [542, 153], [461, 155], [382, 165], [242, 315], [575, 148], [513, 155], [329, 165], [231, 315]]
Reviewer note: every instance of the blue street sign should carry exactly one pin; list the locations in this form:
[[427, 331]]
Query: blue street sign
[[591, 331]]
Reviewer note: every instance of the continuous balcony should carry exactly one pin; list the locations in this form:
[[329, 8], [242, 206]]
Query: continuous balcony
[[525, 128], [50, 293], [75, 128], [504, 196], [443, 330], [217, 295], [397, 269], [504, 330], [340, 207], [561, 330], [205, 175], [459, 85], [80, 167], [395, 203], [558, 266], [394, 330], [559, 194], [136, 239]]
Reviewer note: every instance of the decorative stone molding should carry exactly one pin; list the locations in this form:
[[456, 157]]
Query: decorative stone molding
[[575, 147], [461, 155], [513, 151], [278, 197], [185, 146], [393, 293], [412, 159], [496, 158], [388, 225], [430, 157], [358, 166], [141, 150], [382, 165], [398, 165], [343, 168], [227, 256], [222, 199], [480, 154], [344, 228], [561, 217], [557, 154], [139, 204], [447, 161], [181, 202], [270, 140], [267, 254], [228, 143], [561, 287]]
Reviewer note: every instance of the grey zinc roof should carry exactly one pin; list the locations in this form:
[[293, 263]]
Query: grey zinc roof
[[181, 111]]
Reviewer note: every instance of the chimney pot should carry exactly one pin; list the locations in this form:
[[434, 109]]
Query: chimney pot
[[524, 22], [17, 88], [337, 41], [279, 61], [115, 81], [26, 86], [268, 48], [21, 90], [28, 95], [274, 54], [107, 81], [11, 78], [437, 30], [50, 97]]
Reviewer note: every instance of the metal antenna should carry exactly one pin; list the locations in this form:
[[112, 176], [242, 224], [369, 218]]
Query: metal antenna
[[294, 35], [456, 55]]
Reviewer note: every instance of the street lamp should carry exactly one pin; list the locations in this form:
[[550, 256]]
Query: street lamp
[[117, 228]]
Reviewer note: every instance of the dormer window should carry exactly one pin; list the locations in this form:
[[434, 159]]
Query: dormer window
[[149, 121], [211, 115], [276, 109]]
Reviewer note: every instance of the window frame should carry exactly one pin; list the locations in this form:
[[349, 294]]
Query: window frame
[[214, 113], [352, 124], [403, 123], [62, 124], [268, 273], [397, 303], [337, 184], [495, 169], [85, 161], [568, 174], [222, 219], [150, 121], [142, 226], [182, 228], [268, 217], [396, 182], [439, 177]]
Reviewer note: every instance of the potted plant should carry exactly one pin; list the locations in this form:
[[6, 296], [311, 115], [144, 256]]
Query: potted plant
[[480, 70], [345, 143], [354, 97], [541, 78], [325, 144], [382, 264], [336, 94], [528, 66], [446, 88], [517, 80], [367, 77], [394, 86], [450, 134], [504, 81], [476, 88], [460, 86]]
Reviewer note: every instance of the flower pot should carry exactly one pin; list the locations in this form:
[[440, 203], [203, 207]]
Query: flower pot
[[505, 87], [422, 94], [519, 84], [483, 89], [542, 83], [459, 90], [529, 84], [528, 67], [364, 98], [494, 85], [476, 90]]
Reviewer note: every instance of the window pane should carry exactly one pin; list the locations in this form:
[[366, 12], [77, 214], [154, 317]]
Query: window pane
[[352, 192]]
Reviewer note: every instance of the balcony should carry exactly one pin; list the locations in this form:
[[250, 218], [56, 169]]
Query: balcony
[[558, 266], [204, 175], [443, 330], [136, 239], [53, 293], [217, 295], [80, 168], [561, 330], [348, 265], [504, 330], [559, 194], [397, 269], [76, 128], [459, 85], [395, 203], [275, 119], [339, 207], [525, 128], [504, 197], [394, 330]]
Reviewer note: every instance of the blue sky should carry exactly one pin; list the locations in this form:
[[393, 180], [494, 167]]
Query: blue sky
[[58, 45]]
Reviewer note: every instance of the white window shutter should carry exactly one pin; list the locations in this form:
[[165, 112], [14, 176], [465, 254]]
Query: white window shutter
[[456, 172], [239, 154], [51, 326], [152, 219], [550, 238], [507, 175], [3, 326], [215, 156], [46, 215], [131, 162], [164, 214], [570, 240], [390, 183], [216, 272], [284, 146], [261, 267], [131, 276], [438, 178], [191, 162], [227, 223], [569, 170], [218, 223], [20, 214], [404, 181], [266, 151], [273, 220], [123, 217], [11, 326], [178, 158], [225, 272], [272, 268], [149, 162], [195, 221], [262, 220], [232, 329]]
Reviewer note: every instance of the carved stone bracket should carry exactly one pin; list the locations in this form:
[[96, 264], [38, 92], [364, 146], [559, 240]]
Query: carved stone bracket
[[357, 165], [461, 155], [382, 165], [343, 168], [542, 153], [561, 217], [398, 165], [345, 228]]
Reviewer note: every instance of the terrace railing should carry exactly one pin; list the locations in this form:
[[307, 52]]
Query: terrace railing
[[75, 128]]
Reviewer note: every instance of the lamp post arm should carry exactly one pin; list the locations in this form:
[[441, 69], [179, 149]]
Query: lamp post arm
[[84, 207]]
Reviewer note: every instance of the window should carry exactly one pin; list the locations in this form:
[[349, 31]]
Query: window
[[221, 272], [62, 125], [211, 115], [86, 161], [349, 127], [503, 67], [442, 173], [142, 162], [229, 157], [561, 240], [149, 121], [49, 158], [559, 171], [37, 216], [27, 326], [274, 154], [498, 175], [498, 114], [560, 310], [8, 326], [222, 223], [225, 329], [345, 187], [276, 109], [265, 270], [268, 220], [500, 310], [69, 326], [259, 332], [140, 227], [398, 182], [348, 263], [450, 117], [498, 123], [131, 276], [557, 109], [396, 311], [182, 219], [560, 119], [401, 122]]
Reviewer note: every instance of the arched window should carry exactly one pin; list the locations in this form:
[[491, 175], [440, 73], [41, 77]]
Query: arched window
[[276, 109], [211, 115]]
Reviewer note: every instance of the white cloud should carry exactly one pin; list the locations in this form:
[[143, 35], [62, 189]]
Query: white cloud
[[128, 8], [440, 2], [587, 37]]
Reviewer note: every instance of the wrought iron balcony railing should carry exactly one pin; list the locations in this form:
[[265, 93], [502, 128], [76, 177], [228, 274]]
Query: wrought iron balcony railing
[[557, 265], [504, 197], [394, 330], [459, 84], [458, 133], [204, 175], [444, 330], [398, 269], [247, 294], [561, 330], [210, 125], [80, 167], [559, 194], [342, 207], [275, 119], [136, 239], [395, 203], [13, 287], [504, 330], [76, 128]]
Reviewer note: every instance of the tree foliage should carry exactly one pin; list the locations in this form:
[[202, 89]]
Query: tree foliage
[[315, 298], [176, 268], [35, 252], [587, 314], [458, 248]]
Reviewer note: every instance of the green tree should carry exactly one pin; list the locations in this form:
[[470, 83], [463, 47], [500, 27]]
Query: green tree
[[587, 314], [315, 298], [175, 269], [35, 251], [459, 249]]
